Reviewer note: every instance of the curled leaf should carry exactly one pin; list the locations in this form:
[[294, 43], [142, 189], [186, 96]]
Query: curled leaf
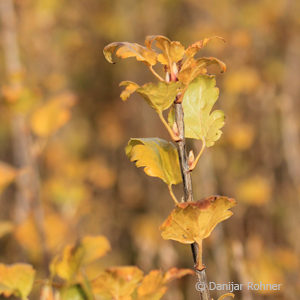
[[226, 295], [195, 47], [192, 222], [126, 50], [117, 282], [16, 280], [172, 51], [197, 103], [194, 67], [159, 157], [130, 88]]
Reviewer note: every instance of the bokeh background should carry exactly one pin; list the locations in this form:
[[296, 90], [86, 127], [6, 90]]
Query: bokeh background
[[63, 129]]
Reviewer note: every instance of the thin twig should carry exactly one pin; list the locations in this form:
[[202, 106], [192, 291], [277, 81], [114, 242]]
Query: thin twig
[[188, 195]]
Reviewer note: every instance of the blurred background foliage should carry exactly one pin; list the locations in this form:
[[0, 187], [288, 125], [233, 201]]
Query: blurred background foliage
[[63, 129]]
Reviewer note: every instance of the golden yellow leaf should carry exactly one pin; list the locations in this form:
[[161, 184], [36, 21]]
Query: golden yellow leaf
[[7, 175], [159, 157], [52, 115], [76, 256], [5, 228], [172, 51], [153, 286], [130, 50], [175, 273], [256, 190], [117, 283], [16, 279], [192, 222], [130, 87]]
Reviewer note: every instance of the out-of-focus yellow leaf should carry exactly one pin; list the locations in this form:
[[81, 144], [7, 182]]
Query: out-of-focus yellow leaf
[[172, 51], [130, 87], [130, 50], [241, 135], [52, 115], [152, 287], [7, 175], [76, 256], [197, 103], [242, 81], [74, 292], [255, 190], [5, 228], [192, 222], [175, 273], [16, 280], [159, 157], [117, 283]]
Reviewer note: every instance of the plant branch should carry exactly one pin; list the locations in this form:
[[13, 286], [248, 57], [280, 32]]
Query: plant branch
[[188, 194]]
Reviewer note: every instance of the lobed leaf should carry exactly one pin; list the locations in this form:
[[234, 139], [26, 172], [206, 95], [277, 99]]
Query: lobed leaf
[[147, 56], [192, 222], [159, 157], [197, 103], [16, 279], [117, 283]]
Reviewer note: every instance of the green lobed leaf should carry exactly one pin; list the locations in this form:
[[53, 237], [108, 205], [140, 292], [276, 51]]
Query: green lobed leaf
[[159, 157], [197, 103]]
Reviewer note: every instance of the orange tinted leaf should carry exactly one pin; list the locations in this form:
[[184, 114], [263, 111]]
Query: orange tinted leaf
[[52, 115], [172, 51], [176, 273], [194, 67], [152, 287], [130, 50], [195, 47], [117, 283], [159, 157], [76, 256], [130, 87], [192, 222], [16, 280]]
